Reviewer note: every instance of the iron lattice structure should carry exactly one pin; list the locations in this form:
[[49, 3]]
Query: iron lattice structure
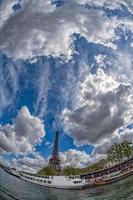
[[54, 161]]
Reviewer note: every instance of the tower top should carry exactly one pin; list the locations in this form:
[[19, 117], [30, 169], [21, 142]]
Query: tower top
[[56, 144]]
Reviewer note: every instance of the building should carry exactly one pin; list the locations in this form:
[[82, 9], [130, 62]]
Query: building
[[54, 161]]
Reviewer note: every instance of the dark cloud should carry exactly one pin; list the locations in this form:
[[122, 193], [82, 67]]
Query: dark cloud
[[101, 113], [117, 137]]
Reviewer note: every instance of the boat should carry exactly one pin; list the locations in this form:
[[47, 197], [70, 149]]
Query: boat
[[13, 172], [93, 179], [111, 174], [102, 177]]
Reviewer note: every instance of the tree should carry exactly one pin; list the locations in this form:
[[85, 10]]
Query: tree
[[115, 153], [126, 149], [119, 151], [110, 159], [47, 171], [71, 171]]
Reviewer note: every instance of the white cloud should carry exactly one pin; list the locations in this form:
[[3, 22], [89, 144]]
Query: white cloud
[[104, 105], [9, 76], [131, 44], [102, 61], [123, 66], [74, 158], [32, 162], [39, 28], [47, 143], [42, 85], [115, 4], [96, 158], [32, 32], [12, 74], [6, 7], [117, 137], [25, 132]]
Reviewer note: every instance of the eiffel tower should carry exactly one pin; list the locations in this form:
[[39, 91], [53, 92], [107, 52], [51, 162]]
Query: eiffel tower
[[54, 161]]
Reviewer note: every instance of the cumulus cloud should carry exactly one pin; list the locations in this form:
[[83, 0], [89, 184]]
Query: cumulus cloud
[[74, 158], [6, 6], [8, 11], [104, 105], [31, 162], [96, 158], [101, 103], [124, 67], [25, 132], [49, 30], [117, 137]]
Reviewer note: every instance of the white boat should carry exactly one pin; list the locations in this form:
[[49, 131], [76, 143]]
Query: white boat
[[105, 176], [12, 171], [97, 178], [65, 182]]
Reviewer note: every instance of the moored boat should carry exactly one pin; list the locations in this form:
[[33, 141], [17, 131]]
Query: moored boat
[[110, 174], [97, 178]]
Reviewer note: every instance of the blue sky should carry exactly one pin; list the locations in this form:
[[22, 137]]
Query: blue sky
[[69, 69]]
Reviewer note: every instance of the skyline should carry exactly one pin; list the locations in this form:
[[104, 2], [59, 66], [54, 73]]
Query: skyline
[[65, 65]]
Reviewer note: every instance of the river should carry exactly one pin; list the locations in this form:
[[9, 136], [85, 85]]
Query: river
[[14, 188]]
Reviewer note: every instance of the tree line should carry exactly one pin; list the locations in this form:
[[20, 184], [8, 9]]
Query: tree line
[[116, 154]]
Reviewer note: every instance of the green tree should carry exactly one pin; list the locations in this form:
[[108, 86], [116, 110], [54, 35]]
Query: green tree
[[119, 151], [110, 159], [115, 153], [126, 149], [47, 171], [71, 171]]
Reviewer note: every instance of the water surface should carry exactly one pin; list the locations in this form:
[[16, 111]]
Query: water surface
[[14, 188]]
